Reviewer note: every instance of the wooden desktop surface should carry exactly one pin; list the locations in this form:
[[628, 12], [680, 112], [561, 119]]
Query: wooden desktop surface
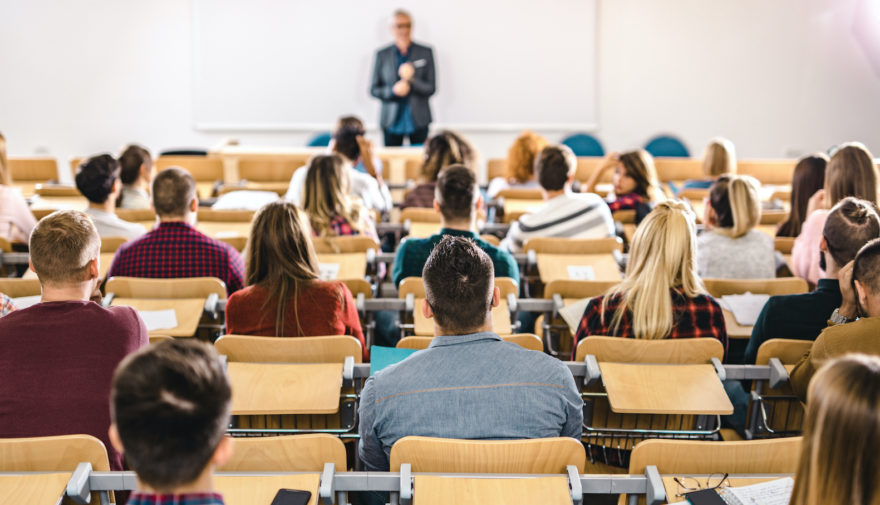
[[435, 490], [188, 312], [280, 388], [60, 202], [261, 489], [423, 230], [33, 489], [664, 389], [734, 329], [351, 265], [553, 267]]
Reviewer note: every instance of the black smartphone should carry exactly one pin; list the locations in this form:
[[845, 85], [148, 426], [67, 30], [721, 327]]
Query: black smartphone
[[291, 497], [705, 497]]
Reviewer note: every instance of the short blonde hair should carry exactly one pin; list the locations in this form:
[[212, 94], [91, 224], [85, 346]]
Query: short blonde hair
[[720, 158], [736, 203], [62, 245]]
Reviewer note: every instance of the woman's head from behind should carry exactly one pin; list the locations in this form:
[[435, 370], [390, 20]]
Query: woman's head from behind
[[521, 156], [808, 177], [444, 149], [734, 204], [327, 191], [851, 172], [720, 158], [838, 462], [636, 174]]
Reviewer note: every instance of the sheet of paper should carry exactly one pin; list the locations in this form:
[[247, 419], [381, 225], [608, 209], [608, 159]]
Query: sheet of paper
[[774, 492], [244, 200], [573, 312], [159, 319], [581, 273], [328, 271], [745, 307], [23, 302]]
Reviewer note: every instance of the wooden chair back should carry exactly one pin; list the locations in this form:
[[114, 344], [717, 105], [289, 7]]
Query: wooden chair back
[[496, 167], [251, 349], [778, 455], [631, 350], [693, 194], [155, 339], [358, 286], [586, 165], [60, 190], [17, 287], [444, 455], [777, 286], [5, 245], [52, 454], [419, 215], [147, 217], [111, 244], [187, 287], [773, 217], [270, 168], [225, 216], [525, 340], [788, 351], [33, 169], [521, 194], [576, 290], [413, 169], [776, 172], [556, 245], [291, 453], [627, 216], [202, 168], [492, 239], [783, 244], [678, 169], [344, 244]]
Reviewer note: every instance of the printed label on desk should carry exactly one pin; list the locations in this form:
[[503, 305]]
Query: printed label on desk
[[328, 271], [581, 273]]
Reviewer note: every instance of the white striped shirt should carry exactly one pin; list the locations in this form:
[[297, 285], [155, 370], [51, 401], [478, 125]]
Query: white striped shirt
[[570, 215]]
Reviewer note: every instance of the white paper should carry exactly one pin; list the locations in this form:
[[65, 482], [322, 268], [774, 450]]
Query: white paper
[[581, 273], [328, 271], [23, 302], [745, 307], [573, 312], [244, 200], [159, 319], [774, 492]]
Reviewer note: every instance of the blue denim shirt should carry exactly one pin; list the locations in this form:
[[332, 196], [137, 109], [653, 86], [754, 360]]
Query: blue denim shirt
[[467, 386]]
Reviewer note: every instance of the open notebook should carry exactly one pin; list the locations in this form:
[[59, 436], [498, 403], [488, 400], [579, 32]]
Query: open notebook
[[773, 492]]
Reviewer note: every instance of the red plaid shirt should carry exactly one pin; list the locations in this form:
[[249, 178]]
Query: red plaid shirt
[[698, 317], [625, 202], [176, 249]]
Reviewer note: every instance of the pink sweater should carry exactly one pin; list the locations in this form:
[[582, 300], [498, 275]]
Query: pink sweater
[[805, 252], [16, 219]]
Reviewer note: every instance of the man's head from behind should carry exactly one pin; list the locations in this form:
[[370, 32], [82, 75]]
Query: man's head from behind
[[455, 195], [170, 409], [849, 226], [460, 288], [64, 249], [554, 167], [866, 278], [97, 178], [174, 193]]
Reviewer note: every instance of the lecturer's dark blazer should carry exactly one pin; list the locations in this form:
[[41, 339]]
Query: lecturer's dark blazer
[[422, 85]]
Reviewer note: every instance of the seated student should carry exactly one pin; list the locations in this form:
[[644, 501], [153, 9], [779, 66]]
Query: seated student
[[499, 390], [457, 200], [730, 247], [854, 325], [850, 172], [519, 171], [284, 296], [349, 142], [98, 180], [331, 209], [170, 406], [849, 226], [719, 159], [6, 305], [635, 181], [838, 461], [661, 296], [565, 214], [443, 149], [16, 219], [57, 357], [174, 248], [137, 171], [807, 179]]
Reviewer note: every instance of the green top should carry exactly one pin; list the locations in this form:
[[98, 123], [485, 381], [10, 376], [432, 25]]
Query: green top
[[413, 253]]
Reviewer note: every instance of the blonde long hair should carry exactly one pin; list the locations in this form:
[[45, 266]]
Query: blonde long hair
[[5, 175], [327, 194], [662, 257], [720, 158], [736, 203], [838, 462]]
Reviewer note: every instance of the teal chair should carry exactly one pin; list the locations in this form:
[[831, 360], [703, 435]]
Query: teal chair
[[584, 144], [667, 146], [320, 140]]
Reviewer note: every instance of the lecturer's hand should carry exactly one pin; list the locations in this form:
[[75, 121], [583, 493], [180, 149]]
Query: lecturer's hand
[[406, 71], [401, 88]]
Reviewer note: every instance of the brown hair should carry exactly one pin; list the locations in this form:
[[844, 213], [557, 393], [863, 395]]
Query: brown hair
[[456, 192], [838, 461], [639, 165], [459, 282], [348, 129], [131, 160], [170, 402], [736, 203], [849, 226], [808, 177], [96, 176], [851, 172], [281, 258], [521, 156], [327, 194], [5, 173], [444, 149], [554, 165], [866, 266], [173, 190], [62, 245], [720, 158]]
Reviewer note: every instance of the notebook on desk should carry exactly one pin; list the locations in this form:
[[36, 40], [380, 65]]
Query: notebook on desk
[[773, 492]]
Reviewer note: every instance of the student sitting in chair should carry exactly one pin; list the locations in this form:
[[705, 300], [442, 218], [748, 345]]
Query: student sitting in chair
[[137, 172], [636, 186], [98, 180], [442, 150]]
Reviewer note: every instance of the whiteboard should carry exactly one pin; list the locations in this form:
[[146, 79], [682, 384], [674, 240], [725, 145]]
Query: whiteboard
[[299, 64]]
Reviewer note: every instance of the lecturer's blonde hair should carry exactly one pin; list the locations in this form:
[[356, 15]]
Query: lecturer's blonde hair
[[736, 203], [662, 257]]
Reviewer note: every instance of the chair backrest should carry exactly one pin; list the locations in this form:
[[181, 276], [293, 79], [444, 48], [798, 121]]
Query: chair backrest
[[186, 287], [496, 167], [414, 286], [556, 245], [540, 455], [768, 171], [666, 146], [202, 168], [344, 244], [569, 289], [35, 169], [419, 215], [155, 339], [777, 286], [492, 239], [358, 286], [521, 194], [57, 190], [627, 216], [111, 244], [52, 454], [678, 169], [778, 455], [270, 168], [5, 245], [630, 350], [320, 140], [137, 215], [693, 194], [526, 340], [788, 351], [291, 453], [584, 144], [226, 216], [328, 349], [783, 244], [16, 287]]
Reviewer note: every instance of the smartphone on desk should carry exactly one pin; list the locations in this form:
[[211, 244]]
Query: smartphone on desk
[[705, 497], [291, 497]]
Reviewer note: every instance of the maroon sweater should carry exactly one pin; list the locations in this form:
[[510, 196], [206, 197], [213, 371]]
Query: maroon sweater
[[56, 365]]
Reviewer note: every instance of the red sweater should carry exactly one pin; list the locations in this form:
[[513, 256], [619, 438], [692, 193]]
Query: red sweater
[[324, 308]]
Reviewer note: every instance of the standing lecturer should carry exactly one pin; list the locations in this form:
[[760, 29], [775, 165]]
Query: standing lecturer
[[403, 78]]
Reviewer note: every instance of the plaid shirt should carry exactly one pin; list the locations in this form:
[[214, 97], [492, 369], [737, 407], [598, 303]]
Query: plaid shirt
[[698, 317], [176, 249], [6, 305], [625, 202], [138, 498]]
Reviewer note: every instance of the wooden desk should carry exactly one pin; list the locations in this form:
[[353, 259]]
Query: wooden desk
[[431, 490], [423, 230], [34, 489], [60, 203], [664, 389], [734, 329], [521, 206], [260, 489], [351, 265], [500, 320], [672, 488], [555, 266], [281, 388], [188, 312]]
